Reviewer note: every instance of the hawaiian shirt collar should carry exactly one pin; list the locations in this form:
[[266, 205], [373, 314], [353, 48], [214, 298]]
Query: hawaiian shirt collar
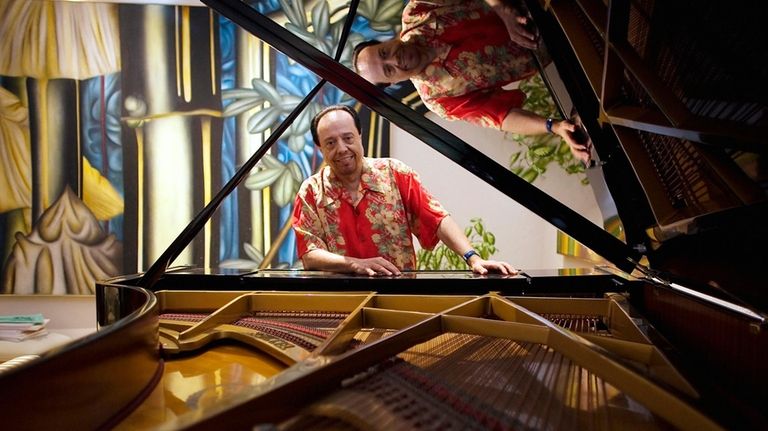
[[370, 179]]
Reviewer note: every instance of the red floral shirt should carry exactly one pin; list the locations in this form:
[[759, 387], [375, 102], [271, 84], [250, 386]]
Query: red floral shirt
[[475, 58], [394, 205]]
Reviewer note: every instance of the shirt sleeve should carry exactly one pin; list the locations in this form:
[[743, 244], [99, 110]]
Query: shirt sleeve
[[424, 211], [486, 108], [306, 223]]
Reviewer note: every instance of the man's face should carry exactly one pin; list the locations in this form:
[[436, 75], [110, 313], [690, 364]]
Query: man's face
[[392, 61], [340, 143]]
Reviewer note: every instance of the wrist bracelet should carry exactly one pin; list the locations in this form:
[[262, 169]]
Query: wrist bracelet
[[549, 125], [469, 254]]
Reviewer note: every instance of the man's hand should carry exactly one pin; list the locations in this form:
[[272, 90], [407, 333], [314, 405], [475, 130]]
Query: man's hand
[[516, 23], [482, 266], [568, 131], [372, 266]]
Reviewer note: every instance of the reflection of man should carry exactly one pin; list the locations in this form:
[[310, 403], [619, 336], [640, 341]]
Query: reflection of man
[[459, 54], [358, 214]]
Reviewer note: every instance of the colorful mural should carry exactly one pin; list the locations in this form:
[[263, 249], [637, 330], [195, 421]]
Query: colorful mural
[[119, 122]]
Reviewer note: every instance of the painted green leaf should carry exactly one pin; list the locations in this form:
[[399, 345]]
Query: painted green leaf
[[294, 11], [288, 102], [263, 119], [321, 19], [270, 161], [253, 253], [389, 9], [296, 142], [239, 106], [263, 178], [240, 93], [302, 33], [266, 90], [295, 171], [284, 189]]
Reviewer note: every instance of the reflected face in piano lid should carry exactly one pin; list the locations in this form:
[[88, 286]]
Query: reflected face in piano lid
[[392, 61], [341, 144]]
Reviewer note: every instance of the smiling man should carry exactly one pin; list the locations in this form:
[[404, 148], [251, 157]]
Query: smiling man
[[460, 54], [359, 214]]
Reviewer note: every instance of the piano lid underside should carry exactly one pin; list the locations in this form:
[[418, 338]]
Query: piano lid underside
[[685, 109]]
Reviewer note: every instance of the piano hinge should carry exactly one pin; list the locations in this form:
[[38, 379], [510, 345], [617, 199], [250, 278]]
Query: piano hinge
[[758, 319]]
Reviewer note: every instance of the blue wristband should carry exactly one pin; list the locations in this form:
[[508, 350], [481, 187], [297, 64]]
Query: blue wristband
[[549, 125], [469, 254]]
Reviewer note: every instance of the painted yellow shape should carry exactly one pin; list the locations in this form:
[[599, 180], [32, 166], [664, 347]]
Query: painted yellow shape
[[45, 39], [15, 173], [99, 195]]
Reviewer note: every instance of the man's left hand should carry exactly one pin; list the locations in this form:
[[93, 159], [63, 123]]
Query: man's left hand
[[567, 130], [482, 266], [517, 26]]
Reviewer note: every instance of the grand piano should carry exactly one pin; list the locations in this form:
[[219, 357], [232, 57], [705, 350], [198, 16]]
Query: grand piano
[[671, 334]]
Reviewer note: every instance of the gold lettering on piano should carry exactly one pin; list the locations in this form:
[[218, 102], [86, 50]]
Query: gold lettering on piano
[[271, 339]]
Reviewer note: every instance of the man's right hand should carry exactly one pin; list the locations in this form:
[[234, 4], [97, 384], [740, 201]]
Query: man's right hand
[[372, 266], [567, 130]]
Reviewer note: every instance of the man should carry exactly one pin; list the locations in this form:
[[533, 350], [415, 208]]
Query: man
[[358, 214], [459, 54]]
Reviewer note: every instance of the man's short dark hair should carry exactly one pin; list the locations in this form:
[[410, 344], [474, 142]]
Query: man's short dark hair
[[359, 47], [356, 53], [349, 110]]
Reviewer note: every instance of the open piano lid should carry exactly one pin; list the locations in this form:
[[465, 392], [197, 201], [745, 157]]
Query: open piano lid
[[730, 277]]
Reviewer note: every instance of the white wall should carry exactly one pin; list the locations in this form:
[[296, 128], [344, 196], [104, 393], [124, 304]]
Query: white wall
[[524, 240]]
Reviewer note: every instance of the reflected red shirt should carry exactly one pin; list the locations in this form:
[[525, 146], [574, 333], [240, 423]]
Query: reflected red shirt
[[393, 206], [475, 58]]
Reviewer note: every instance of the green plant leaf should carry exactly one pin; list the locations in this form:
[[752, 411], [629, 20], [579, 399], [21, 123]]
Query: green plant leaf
[[529, 175], [442, 258], [479, 227], [543, 151]]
